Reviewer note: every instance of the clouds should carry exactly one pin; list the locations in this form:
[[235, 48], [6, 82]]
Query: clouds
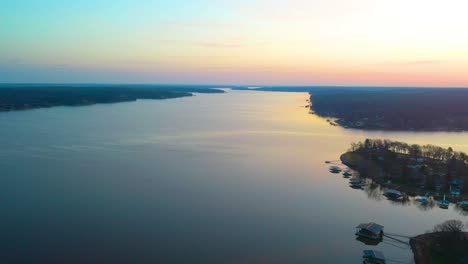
[[426, 62], [423, 62], [219, 45]]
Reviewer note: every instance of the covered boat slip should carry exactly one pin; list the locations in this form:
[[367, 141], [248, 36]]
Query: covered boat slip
[[373, 257], [370, 230]]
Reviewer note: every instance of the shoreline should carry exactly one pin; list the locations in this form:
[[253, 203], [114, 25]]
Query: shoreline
[[350, 125], [24, 97], [408, 190], [419, 110], [420, 246]]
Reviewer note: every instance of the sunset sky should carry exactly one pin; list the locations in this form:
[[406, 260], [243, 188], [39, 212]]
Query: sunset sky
[[295, 42]]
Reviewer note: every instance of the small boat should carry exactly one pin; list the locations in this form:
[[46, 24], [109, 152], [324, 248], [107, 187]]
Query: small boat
[[347, 173], [357, 182], [335, 169], [464, 205], [393, 194], [444, 203], [373, 257], [422, 199], [327, 161]]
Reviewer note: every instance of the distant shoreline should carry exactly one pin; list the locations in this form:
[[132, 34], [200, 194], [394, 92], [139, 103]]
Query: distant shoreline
[[419, 109], [422, 110], [26, 97]]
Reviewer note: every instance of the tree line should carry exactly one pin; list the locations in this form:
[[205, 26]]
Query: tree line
[[415, 150], [395, 109]]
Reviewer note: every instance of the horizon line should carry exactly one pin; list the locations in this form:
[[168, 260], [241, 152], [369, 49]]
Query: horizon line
[[235, 85]]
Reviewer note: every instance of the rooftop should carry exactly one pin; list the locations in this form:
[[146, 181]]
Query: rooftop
[[371, 227]]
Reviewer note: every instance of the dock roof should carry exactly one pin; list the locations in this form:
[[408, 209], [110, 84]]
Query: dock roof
[[371, 227]]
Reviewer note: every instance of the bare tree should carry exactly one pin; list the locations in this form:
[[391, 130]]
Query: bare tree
[[452, 226]]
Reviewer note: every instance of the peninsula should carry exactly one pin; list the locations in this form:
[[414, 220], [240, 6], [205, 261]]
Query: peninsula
[[412, 168], [23, 96]]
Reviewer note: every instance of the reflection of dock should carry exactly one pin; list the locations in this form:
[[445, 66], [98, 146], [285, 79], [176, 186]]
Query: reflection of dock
[[371, 234], [368, 241]]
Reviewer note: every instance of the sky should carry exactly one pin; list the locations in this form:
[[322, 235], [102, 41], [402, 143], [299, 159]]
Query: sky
[[263, 42]]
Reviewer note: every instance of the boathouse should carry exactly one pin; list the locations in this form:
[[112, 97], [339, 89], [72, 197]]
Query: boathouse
[[370, 230]]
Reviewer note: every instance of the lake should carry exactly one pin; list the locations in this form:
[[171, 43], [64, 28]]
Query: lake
[[215, 178]]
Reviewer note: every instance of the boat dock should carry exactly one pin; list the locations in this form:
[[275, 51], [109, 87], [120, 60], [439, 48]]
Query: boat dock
[[374, 232]]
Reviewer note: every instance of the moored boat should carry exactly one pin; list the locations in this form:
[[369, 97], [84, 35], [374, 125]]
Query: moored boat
[[357, 182], [444, 203], [347, 173], [422, 199], [335, 169], [393, 194], [464, 205]]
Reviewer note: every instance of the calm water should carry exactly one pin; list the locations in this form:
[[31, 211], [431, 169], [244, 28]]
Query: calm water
[[219, 178]]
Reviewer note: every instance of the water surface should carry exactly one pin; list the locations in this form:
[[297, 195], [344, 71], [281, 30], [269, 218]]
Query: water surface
[[215, 178]]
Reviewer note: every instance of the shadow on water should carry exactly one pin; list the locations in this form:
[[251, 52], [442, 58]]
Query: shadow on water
[[405, 201], [374, 191], [426, 206], [368, 241], [461, 210], [355, 187]]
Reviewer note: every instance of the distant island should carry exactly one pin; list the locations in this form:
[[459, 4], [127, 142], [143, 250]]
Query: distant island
[[29, 96], [412, 168], [415, 109]]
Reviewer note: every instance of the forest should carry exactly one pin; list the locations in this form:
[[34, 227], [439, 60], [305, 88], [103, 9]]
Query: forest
[[414, 109], [22, 97], [426, 167], [413, 150]]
